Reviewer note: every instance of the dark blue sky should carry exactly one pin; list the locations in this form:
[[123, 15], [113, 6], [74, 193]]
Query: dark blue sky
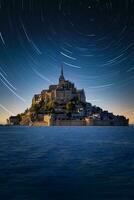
[[94, 39]]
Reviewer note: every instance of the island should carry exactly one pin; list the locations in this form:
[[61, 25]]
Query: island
[[65, 105]]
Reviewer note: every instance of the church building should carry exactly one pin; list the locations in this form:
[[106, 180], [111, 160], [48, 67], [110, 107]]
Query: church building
[[63, 92]]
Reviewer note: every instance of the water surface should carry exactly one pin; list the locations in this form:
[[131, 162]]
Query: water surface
[[57, 163]]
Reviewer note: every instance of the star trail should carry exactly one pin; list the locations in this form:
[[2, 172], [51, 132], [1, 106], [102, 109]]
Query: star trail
[[93, 39]]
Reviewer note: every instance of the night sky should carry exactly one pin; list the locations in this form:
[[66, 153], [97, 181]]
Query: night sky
[[93, 39]]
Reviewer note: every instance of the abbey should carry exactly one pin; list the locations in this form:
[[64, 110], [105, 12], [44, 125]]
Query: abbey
[[65, 105], [63, 92]]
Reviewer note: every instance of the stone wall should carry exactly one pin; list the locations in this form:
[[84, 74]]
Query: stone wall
[[68, 123], [97, 122], [39, 124], [48, 121]]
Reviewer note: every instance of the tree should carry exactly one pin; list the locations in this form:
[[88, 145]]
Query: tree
[[50, 106], [70, 106], [35, 108]]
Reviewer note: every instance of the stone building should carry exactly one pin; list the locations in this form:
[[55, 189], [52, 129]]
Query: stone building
[[13, 120], [63, 92], [65, 105]]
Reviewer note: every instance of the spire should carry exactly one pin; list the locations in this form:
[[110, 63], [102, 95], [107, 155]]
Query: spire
[[61, 79], [62, 74]]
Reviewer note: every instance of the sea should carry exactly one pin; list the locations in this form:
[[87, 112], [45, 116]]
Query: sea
[[66, 163]]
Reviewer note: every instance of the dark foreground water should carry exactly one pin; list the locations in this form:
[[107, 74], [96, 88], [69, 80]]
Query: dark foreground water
[[57, 163]]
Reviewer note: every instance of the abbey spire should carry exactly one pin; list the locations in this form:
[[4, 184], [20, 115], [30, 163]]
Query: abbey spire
[[61, 78]]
